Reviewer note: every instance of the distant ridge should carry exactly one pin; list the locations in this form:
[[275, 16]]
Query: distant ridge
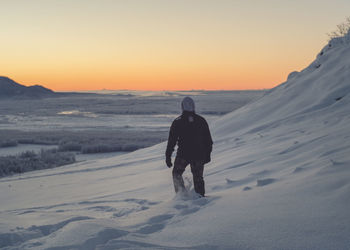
[[10, 88]]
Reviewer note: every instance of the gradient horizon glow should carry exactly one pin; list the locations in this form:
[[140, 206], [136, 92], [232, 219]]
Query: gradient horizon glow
[[162, 44]]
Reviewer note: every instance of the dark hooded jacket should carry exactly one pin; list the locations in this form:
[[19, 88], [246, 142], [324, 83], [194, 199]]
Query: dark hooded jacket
[[191, 133]]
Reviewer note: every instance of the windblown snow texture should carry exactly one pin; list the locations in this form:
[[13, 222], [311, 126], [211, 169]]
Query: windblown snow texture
[[279, 179]]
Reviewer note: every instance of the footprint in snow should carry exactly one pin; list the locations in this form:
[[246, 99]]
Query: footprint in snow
[[180, 206], [149, 229], [160, 218], [298, 170], [155, 224], [126, 211], [190, 210], [264, 182], [247, 188], [102, 208]]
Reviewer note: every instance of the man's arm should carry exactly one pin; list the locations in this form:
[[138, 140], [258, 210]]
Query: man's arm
[[208, 140], [172, 139]]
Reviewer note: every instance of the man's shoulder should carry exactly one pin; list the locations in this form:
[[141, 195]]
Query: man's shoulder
[[180, 118], [177, 120], [201, 118]]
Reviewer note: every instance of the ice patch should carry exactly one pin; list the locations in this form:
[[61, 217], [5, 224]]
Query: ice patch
[[76, 112]]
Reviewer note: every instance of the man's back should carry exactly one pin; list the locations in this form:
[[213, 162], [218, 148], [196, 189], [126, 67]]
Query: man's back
[[191, 132]]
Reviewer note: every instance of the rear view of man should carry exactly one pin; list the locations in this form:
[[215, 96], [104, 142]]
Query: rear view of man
[[191, 134]]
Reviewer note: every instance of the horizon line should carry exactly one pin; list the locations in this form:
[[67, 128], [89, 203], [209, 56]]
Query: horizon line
[[163, 90]]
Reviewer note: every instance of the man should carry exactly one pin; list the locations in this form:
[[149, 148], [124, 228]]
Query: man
[[191, 133]]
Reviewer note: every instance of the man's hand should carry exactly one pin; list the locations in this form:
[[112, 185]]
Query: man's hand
[[207, 159], [168, 162]]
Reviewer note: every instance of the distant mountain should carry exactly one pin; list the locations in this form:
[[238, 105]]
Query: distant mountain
[[10, 88]]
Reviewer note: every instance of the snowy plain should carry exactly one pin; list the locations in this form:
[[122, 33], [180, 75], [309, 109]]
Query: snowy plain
[[279, 179], [124, 120], [127, 110]]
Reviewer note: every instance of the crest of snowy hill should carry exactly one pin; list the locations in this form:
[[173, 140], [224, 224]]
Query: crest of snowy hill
[[314, 91], [10, 88], [279, 179]]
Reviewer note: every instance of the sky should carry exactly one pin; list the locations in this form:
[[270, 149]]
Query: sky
[[71, 45]]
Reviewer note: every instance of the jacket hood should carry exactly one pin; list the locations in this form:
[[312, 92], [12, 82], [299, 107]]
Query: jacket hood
[[187, 104]]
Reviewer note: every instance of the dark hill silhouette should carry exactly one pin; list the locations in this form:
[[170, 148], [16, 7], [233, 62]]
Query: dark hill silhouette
[[10, 88]]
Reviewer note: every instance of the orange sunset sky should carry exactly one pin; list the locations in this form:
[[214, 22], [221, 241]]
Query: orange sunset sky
[[162, 44]]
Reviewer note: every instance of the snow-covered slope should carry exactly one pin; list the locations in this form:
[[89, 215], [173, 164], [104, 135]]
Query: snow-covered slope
[[279, 179]]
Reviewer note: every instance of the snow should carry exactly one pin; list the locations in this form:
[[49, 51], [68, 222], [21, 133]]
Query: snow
[[279, 179]]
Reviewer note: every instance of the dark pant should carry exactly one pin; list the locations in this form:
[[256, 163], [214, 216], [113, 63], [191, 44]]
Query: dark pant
[[197, 168]]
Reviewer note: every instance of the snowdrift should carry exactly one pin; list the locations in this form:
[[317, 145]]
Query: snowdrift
[[279, 179]]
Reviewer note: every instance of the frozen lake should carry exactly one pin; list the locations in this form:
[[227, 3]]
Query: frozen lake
[[122, 119], [76, 120]]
